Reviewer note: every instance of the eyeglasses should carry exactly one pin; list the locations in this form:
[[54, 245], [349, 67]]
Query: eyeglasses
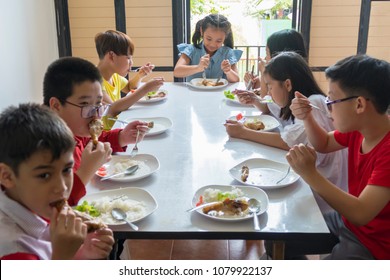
[[90, 111], [329, 103]]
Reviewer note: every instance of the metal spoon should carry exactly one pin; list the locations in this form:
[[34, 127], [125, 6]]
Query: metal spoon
[[127, 172], [254, 207], [120, 215]]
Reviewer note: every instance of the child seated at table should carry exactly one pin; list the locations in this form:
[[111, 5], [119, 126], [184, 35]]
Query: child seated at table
[[115, 50], [284, 74], [211, 51], [36, 160], [279, 41], [72, 88], [359, 96]]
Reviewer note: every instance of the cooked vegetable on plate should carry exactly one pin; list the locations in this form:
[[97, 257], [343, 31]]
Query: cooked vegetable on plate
[[228, 94]]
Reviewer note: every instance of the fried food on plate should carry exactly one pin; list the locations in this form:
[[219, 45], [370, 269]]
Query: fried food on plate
[[208, 83], [244, 173], [228, 206], [254, 125]]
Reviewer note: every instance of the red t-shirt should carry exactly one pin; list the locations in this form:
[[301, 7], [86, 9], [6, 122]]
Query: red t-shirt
[[20, 256], [372, 168], [78, 190]]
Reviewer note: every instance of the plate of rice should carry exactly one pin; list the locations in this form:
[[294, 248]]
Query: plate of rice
[[219, 193], [147, 165], [136, 202]]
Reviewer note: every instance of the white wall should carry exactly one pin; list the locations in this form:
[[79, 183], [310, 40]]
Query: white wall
[[28, 44]]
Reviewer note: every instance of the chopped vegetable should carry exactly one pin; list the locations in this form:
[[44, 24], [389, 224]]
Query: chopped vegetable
[[229, 94], [239, 116], [102, 171], [88, 208], [223, 195], [200, 201], [151, 93]]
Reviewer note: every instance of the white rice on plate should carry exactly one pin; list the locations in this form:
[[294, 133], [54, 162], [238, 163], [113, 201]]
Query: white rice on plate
[[122, 165], [210, 195], [134, 209]]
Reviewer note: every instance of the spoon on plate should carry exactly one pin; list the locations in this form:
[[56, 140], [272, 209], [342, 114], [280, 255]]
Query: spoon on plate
[[120, 215], [254, 208], [129, 171]]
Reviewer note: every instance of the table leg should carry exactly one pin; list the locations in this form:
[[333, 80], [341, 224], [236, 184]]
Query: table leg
[[278, 250]]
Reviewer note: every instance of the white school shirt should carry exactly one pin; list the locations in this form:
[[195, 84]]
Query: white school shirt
[[333, 166], [22, 231]]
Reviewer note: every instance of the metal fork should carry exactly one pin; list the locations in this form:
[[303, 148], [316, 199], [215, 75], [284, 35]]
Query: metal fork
[[134, 151], [249, 86], [320, 109], [204, 75], [219, 78], [284, 177]]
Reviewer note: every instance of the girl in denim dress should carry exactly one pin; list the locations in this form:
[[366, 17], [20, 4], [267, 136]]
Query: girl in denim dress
[[211, 51]]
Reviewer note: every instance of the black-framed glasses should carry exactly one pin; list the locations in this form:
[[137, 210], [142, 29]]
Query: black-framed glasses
[[89, 111], [329, 103]]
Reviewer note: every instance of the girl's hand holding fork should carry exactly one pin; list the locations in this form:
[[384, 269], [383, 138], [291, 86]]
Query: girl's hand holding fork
[[204, 62], [247, 97]]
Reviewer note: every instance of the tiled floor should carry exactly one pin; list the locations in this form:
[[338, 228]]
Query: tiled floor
[[195, 250]]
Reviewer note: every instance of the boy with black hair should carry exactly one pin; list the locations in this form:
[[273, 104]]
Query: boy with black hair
[[359, 95], [72, 88], [36, 161]]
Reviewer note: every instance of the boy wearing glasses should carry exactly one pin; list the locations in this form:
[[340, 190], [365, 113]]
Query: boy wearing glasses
[[72, 88], [359, 96]]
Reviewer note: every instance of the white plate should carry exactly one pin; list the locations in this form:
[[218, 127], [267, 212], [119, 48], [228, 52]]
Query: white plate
[[264, 173], [250, 192], [270, 122], [197, 83], [235, 101], [155, 99], [148, 164], [161, 124], [135, 194]]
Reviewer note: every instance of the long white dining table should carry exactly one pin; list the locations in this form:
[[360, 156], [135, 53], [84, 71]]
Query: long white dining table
[[196, 152]]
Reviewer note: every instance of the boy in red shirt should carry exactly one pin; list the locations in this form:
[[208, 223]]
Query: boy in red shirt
[[36, 160], [359, 96], [72, 88]]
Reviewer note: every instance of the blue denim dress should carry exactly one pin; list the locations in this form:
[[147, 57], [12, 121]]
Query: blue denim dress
[[214, 70]]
